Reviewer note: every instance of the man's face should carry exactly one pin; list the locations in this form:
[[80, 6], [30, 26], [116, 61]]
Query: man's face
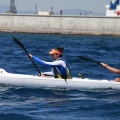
[[55, 56]]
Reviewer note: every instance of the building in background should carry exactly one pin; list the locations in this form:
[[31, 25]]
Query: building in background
[[12, 7], [36, 10], [46, 12], [113, 10]]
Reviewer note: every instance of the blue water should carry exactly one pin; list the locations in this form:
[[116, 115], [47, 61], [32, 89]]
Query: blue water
[[17, 103]]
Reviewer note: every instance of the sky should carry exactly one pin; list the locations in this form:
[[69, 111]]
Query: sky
[[45, 5]]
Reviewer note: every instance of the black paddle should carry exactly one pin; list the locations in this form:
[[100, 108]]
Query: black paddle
[[22, 46], [89, 60]]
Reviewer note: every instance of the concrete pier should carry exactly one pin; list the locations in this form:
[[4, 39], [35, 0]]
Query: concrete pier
[[82, 25]]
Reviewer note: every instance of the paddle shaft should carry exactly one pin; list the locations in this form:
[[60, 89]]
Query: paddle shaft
[[22, 46], [90, 60]]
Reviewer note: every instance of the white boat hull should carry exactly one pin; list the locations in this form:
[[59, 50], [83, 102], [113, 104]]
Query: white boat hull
[[38, 82]]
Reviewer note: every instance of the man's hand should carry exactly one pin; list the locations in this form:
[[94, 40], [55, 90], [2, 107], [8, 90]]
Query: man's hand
[[104, 65], [30, 56]]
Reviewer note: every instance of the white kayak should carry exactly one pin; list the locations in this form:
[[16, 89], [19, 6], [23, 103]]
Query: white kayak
[[38, 82]]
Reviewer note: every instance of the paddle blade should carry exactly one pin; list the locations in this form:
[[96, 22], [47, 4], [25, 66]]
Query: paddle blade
[[18, 42], [22, 46]]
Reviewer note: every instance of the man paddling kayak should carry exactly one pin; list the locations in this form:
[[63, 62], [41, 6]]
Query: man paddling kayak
[[59, 67], [114, 70]]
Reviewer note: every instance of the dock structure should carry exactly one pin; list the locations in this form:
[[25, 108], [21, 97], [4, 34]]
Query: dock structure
[[51, 24]]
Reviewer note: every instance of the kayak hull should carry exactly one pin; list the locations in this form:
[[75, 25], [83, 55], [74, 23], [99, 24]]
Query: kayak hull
[[38, 82]]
